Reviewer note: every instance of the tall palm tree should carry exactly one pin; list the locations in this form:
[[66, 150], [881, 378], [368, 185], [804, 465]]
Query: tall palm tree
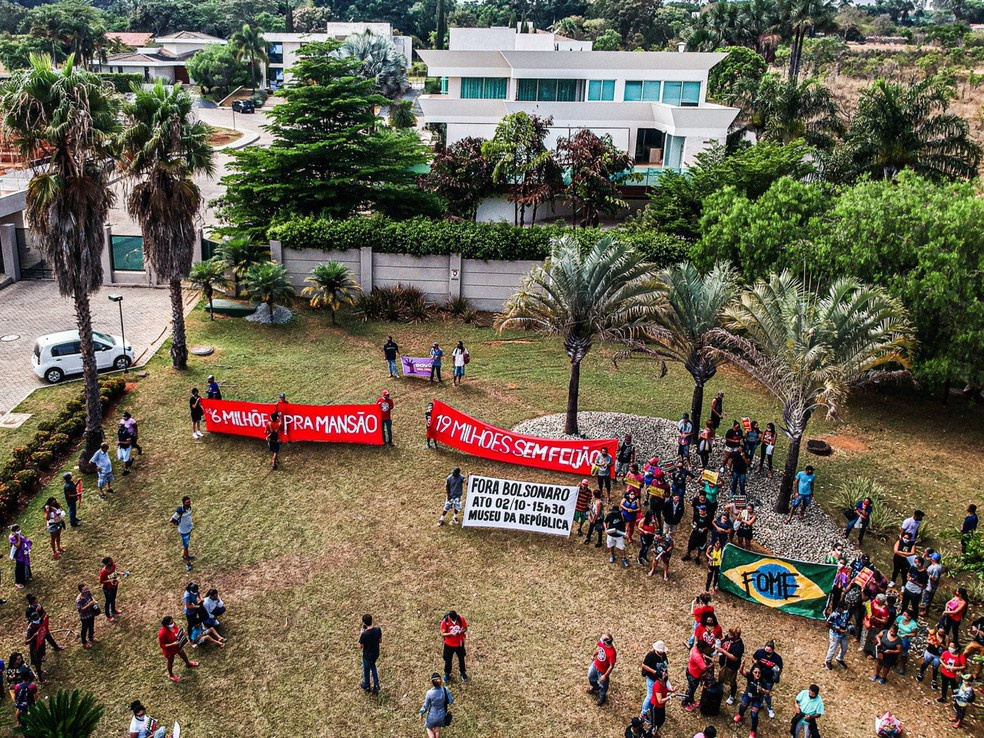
[[66, 715], [251, 49], [785, 110], [694, 308], [802, 18], [163, 150], [381, 61], [810, 350], [208, 276], [331, 286], [240, 254], [70, 116], [599, 293], [900, 126]]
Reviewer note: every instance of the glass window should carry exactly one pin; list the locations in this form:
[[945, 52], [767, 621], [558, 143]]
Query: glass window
[[673, 157], [566, 90], [551, 90], [495, 88], [601, 89], [691, 94], [526, 90], [672, 93], [483, 88], [275, 54], [642, 91], [66, 349], [444, 85]]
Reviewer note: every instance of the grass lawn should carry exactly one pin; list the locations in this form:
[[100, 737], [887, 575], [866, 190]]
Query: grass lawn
[[299, 554]]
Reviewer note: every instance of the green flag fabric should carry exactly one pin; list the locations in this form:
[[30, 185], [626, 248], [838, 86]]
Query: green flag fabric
[[796, 587]]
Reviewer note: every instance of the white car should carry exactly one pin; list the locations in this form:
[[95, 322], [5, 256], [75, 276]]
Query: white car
[[58, 354]]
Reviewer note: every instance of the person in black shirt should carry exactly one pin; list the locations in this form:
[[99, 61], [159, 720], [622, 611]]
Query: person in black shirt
[[733, 440], [369, 640], [758, 688], [390, 351], [673, 510], [698, 535], [679, 477], [71, 489], [732, 652], [772, 669], [717, 410], [968, 528], [739, 472], [637, 729], [615, 528]]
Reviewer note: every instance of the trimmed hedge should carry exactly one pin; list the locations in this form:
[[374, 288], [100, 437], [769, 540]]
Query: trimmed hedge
[[121, 82], [20, 476], [486, 241]]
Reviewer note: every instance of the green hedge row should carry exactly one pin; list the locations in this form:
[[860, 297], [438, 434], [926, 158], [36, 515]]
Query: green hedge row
[[20, 474], [121, 82], [487, 241]]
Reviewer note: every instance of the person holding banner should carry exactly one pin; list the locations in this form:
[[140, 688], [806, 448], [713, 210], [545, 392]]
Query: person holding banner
[[429, 425], [600, 672], [453, 486], [143, 726]]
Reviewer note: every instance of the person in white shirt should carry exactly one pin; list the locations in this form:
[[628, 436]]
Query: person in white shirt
[[912, 525], [460, 357], [104, 465], [142, 725]]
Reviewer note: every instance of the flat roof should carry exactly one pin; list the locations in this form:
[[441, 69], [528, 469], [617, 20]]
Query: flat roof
[[628, 60]]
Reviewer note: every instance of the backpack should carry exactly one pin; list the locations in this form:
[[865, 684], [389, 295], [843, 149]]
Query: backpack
[[852, 598], [22, 697]]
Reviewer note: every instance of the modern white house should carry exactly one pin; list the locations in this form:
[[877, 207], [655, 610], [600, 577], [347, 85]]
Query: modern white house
[[652, 104]]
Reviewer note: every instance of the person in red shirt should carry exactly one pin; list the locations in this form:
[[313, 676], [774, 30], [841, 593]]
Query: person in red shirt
[[599, 675], [697, 666], [952, 662], [453, 630], [700, 608], [171, 640], [385, 403], [709, 631], [109, 580]]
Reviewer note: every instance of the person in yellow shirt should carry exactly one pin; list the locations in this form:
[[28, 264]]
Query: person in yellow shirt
[[714, 554]]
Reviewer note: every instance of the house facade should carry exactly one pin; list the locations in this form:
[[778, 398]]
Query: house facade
[[652, 104]]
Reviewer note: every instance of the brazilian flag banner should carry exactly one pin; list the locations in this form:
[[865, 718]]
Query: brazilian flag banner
[[796, 587]]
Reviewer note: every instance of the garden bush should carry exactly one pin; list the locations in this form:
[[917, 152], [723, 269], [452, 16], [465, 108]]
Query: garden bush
[[400, 303], [882, 519], [121, 82], [486, 241]]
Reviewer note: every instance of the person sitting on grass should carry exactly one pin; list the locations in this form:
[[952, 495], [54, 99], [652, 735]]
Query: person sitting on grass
[[171, 640], [201, 633], [213, 607], [142, 725]]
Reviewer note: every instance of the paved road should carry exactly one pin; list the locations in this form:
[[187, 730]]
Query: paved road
[[33, 308]]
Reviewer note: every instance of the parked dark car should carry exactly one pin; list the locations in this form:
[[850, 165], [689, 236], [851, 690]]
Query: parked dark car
[[243, 106]]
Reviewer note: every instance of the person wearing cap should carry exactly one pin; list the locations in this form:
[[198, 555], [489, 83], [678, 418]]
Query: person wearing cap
[[935, 572], [637, 728], [809, 709], [453, 488], [582, 505], [390, 351], [804, 493], [142, 725], [385, 403], [212, 391], [436, 353], [685, 435], [434, 711], [73, 494], [131, 426], [654, 664], [600, 671], [273, 433]]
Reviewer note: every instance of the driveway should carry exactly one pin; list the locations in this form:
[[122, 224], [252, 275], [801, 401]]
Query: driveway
[[30, 309]]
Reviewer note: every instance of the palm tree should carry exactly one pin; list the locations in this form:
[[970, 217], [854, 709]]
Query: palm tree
[[381, 61], [163, 150], [251, 50], [810, 350], [331, 286], [899, 127], [240, 254], [401, 114], [66, 715], [604, 292], [802, 18], [208, 276], [268, 283], [694, 308], [785, 110], [72, 117]]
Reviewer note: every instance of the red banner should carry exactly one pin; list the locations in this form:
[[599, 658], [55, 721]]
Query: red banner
[[325, 423], [464, 433]]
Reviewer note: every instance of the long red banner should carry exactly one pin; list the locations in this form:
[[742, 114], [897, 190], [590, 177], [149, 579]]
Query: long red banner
[[325, 423], [475, 437]]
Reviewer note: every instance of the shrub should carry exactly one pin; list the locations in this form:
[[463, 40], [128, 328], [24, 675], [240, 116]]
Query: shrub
[[72, 427], [456, 307], [121, 82], [881, 522], [22, 455], [399, 303], [26, 478], [42, 459], [57, 443]]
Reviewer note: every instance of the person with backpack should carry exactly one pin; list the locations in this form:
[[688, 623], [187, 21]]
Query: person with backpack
[[454, 628], [273, 432], [25, 695], [182, 519], [435, 711], [596, 518], [453, 490], [212, 391], [459, 358]]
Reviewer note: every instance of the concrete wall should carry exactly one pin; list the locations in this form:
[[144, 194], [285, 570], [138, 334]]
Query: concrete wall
[[485, 284]]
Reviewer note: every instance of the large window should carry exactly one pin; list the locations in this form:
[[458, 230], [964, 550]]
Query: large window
[[672, 93], [681, 93], [549, 90], [691, 94], [275, 54], [673, 156], [601, 89], [642, 91], [483, 88]]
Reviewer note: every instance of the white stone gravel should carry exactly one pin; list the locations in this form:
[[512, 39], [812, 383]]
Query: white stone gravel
[[262, 315], [808, 540]]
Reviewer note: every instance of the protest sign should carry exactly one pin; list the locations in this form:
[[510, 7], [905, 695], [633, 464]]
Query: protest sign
[[324, 423], [464, 433], [416, 366], [534, 507]]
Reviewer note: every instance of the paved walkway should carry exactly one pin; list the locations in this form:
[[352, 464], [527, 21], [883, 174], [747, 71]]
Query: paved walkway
[[30, 309]]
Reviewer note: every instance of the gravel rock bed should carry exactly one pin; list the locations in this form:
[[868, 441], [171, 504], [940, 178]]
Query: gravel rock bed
[[262, 315], [808, 540]]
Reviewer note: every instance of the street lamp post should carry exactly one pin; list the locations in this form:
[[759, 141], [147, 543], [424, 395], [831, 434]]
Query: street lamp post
[[118, 299]]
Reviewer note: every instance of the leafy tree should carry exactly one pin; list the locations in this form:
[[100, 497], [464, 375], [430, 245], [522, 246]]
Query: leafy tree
[[677, 199], [810, 350], [71, 27], [379, 61], [311, 19], [899, 126], [69, 115], [785, 110], [270, 23], [74, 714], [164, 149], [523, 164], [328, 156], [240, 254], [251, 49], [11, 17], [217, 69], [162, 17], [208, 276], [461, 176], [609, 40], [16, 51], [401, 114], [633, 20], [736, 77], [268, 283], [595, 166], [585, 295], [331, 286]]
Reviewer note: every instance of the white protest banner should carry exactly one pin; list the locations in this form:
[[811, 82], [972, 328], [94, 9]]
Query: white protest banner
[[531, 506]]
